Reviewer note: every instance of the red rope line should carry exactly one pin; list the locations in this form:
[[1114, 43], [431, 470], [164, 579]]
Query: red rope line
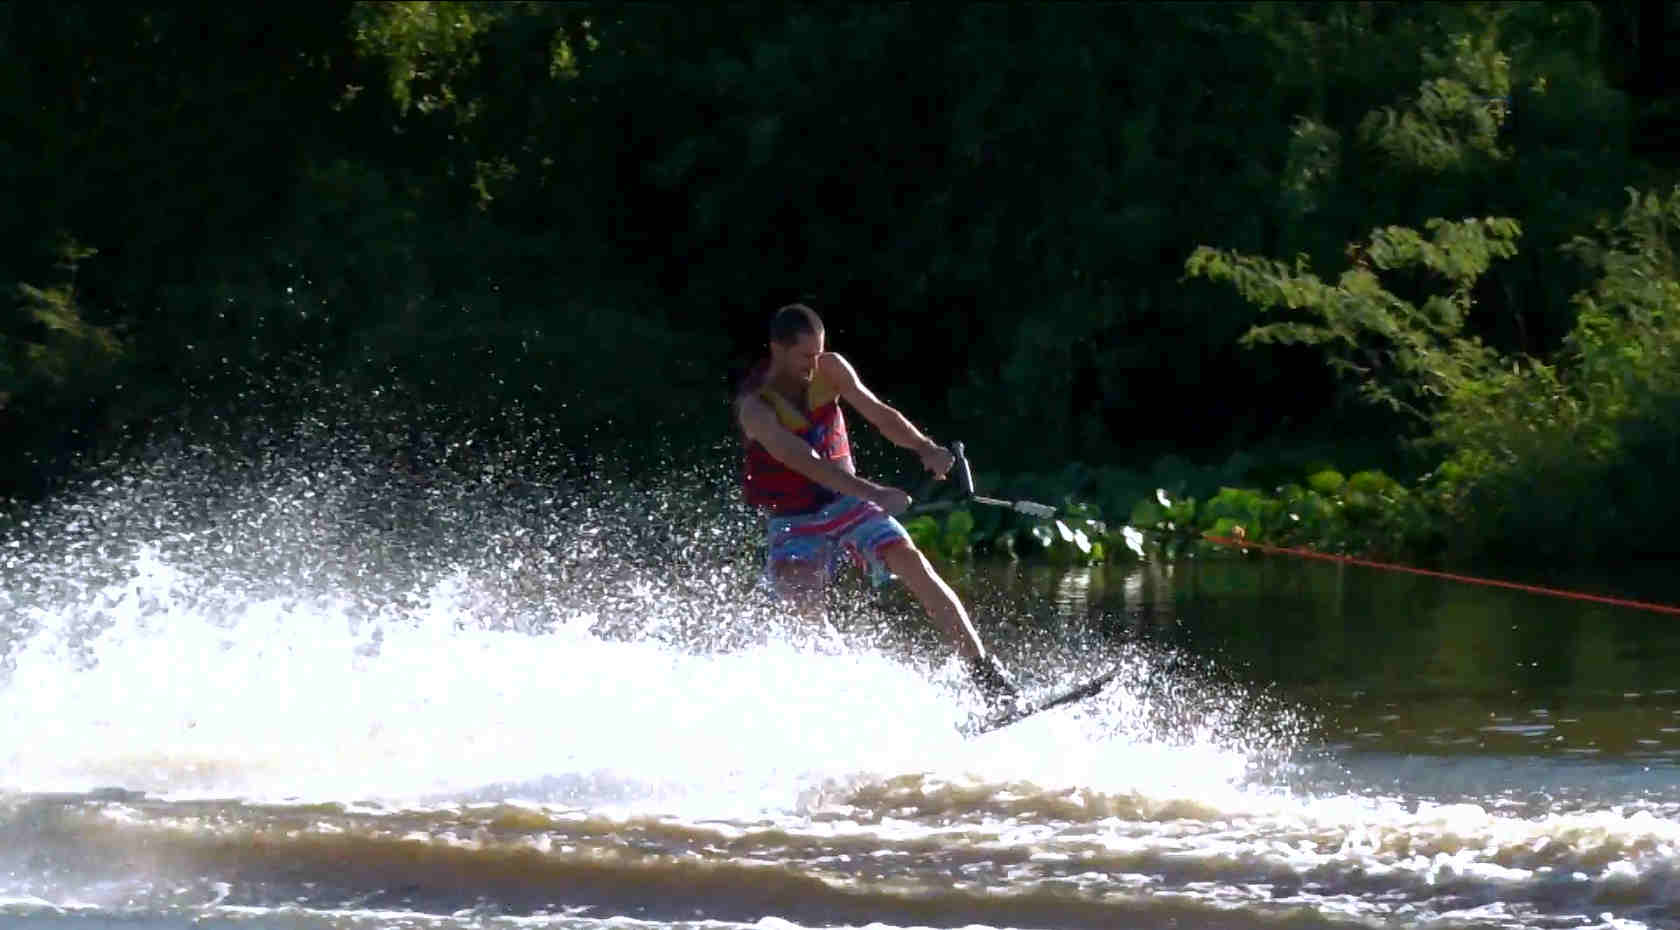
[[1467, 579]]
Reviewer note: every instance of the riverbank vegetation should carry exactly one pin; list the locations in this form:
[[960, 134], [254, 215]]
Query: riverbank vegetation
[[1561, 457]]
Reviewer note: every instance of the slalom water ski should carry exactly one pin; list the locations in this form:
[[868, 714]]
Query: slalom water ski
[[1022, 711]]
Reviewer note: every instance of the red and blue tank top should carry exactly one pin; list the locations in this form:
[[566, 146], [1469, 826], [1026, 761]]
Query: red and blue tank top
[[773, 486]]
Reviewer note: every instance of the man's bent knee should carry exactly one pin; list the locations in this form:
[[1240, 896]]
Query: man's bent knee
[[796, 578]]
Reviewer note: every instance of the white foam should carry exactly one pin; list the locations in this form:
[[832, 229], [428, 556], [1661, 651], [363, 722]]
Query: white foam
[[309, 698]]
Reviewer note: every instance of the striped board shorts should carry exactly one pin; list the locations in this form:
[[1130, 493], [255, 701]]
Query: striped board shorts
[[848, 528]]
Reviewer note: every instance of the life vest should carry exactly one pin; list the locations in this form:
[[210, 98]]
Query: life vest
[[773, 486]]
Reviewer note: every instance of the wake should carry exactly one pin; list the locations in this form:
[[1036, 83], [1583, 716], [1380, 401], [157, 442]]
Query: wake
[[320, 625]]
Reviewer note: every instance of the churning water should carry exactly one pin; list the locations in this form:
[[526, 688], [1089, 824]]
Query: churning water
[[323, 687]]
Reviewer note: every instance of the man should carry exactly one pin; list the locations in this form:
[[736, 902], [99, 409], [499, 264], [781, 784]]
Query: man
[[799, 468]]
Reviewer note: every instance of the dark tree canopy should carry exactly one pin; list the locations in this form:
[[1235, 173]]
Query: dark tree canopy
[[590, 210]]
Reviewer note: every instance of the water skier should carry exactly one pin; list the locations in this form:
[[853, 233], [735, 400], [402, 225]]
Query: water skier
[[799, 470]]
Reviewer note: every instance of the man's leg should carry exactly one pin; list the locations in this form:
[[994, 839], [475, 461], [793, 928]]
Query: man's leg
[[797, 565], [946, 612], [936, 597], [799, 583], [882, 539]]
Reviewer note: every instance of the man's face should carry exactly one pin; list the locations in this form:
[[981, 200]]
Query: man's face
[[800, 358]]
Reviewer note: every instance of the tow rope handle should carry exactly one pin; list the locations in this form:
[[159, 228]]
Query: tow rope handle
[[959, 470], [965, 485]]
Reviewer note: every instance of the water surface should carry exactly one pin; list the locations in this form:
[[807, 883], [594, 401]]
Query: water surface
[[270, 710]]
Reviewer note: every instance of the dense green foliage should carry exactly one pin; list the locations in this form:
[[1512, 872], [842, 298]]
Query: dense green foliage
[[1366, 513], [1543, 457], [586, 211]]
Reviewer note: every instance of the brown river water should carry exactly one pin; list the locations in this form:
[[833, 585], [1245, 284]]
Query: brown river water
[[258, 719]]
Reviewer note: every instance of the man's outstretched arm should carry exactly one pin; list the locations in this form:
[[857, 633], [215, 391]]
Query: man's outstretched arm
[[894, 425], [760, 423]]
